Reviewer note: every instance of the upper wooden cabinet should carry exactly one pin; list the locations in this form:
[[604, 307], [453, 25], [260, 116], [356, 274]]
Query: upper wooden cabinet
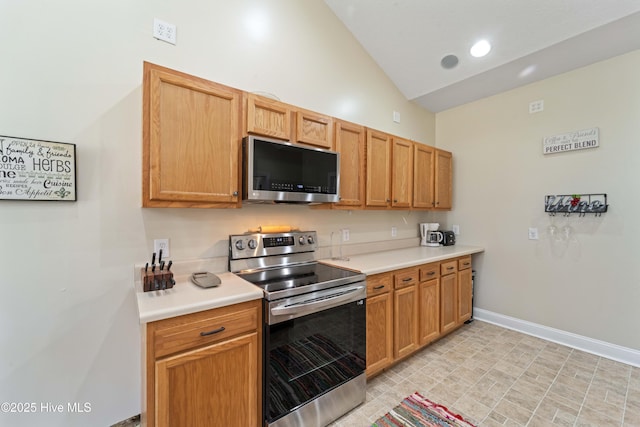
[[191, 141], [350, 143], [423, 176], [378, 169], [268, 117], [276, 119], [401, 173], [443, 178]]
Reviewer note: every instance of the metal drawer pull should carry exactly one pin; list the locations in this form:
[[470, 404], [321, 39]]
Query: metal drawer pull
[[431, 273], [375, 288], [407, 279], [450, 268], [215, 331], [466, 263]]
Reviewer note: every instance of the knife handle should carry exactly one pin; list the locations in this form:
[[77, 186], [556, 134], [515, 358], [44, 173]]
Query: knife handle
[[153, 258]]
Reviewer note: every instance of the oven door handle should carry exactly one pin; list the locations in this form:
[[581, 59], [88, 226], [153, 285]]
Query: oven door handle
[[312, 305]]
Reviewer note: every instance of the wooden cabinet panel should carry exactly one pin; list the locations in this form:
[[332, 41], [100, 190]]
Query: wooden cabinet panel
[[448, 267], [401, 173], [378, 169], [405, 325], [429, 311], [423, 176], [464, 295], [191, 141], [379, 332], [429, 271], [448, 302], [379, 284], [350, 143], [268, 117], [195, 380], [214, 385], [406, 277], [314, 129], [464, 262], [443, 179]]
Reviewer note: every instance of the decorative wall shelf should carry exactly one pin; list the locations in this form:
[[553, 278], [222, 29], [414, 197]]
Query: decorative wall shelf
[[580, 204]]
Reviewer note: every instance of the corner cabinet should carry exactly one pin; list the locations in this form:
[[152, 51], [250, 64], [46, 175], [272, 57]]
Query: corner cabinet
[[203, 369], [191, 141]]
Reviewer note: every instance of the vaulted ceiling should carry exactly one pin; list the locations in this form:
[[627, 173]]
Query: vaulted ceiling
[[531, 40]]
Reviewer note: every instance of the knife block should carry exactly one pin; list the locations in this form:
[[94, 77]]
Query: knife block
[[156, 281]]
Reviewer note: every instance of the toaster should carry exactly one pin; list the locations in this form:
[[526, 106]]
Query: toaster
[[448, 238]]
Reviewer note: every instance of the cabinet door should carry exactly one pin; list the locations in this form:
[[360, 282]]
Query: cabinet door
[[268, 117], [464, 295], [443, 178], [350, 143], [191, 141], [378, 168], [423, 176], [379, 333], [314, 129], [448, 302], [429, 311], [401, 173], [215, 385], [405, 326]]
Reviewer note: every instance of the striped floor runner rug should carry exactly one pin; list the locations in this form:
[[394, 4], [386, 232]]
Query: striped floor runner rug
[[418, 411]]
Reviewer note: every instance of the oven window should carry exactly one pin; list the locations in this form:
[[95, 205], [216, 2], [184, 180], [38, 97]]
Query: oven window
[[308, 356]]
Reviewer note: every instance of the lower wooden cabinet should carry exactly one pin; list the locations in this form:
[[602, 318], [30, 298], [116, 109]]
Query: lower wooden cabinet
[[448, 296], [203, 369], [379, 323], [465, 289], [408, 309]]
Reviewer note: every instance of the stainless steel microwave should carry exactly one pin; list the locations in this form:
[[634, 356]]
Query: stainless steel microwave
[[280, 171]]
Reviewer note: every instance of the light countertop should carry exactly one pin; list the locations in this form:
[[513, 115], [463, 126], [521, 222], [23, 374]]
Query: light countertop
[[186, 298], [380, 262]]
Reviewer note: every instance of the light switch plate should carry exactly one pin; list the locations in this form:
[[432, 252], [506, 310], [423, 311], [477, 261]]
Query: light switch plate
[[533, 233]]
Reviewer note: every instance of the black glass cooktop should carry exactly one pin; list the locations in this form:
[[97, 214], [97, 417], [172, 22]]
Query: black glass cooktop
[[292, 280]]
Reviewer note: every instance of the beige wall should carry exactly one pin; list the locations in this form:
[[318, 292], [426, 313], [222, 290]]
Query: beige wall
[[589, 284], [72, 72]]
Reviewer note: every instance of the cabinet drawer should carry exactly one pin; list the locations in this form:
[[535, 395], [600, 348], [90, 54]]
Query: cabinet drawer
[[198, 329], [429, 271], [464, 263], [378, 284], [406, 277], [448, 267]]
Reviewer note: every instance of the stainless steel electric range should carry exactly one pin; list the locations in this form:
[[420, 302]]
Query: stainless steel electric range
[[314, 328]]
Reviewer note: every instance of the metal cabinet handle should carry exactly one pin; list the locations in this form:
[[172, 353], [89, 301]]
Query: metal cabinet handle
[[235, 193], [450, 268], [431, 273], [215, 331], [375, 288], [407, 279]]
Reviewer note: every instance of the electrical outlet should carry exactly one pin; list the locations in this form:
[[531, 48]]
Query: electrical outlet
[[161, 244], [455, 229], [536, 106], [164, 31], [345, 234], [394, 231], [533, 233]]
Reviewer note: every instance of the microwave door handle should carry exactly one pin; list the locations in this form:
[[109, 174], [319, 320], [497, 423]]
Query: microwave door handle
[[314, 304]]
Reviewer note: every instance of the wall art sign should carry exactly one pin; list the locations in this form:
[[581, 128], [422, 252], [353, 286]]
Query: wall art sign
[[578, 140], [37, 170]]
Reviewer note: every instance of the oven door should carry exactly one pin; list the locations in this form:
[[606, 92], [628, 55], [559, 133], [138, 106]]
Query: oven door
[[320, 346]]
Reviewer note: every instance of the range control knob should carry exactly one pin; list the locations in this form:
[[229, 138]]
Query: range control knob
[[239, 245], [310, 240], [253, 244], [301, 240]]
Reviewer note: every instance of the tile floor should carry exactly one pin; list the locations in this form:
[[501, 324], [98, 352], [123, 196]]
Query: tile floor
[[498, 377]]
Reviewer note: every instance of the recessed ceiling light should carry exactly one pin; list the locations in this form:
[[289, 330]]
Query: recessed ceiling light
[[480, 49], [449, 62]]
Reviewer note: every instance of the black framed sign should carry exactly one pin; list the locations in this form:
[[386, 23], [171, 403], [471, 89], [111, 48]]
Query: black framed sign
[[31, 169]]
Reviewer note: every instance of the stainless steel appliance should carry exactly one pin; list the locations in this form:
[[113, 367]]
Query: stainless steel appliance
[[314, 328], [283, 172]]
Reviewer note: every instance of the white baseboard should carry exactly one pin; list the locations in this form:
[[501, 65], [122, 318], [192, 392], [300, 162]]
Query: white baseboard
[[590, 345]]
